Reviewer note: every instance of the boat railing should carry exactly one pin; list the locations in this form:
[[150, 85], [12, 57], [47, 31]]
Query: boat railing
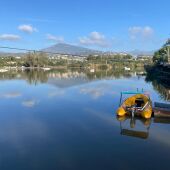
[[145, 106]]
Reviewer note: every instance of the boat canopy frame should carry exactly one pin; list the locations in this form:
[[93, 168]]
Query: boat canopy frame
[[132, 92]]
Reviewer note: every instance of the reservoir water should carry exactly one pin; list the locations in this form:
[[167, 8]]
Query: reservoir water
[[65, 119]]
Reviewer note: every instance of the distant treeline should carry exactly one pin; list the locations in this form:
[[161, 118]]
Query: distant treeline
[[43, 60]]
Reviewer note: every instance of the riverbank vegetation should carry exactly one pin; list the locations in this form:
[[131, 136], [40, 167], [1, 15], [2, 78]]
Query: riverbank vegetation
[[104, 62], [159, 72], [162, 55]]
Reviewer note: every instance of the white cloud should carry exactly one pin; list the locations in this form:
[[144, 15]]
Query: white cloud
[[53, 38], [27, 29], [10, 37], [138, 32], [95, 39]]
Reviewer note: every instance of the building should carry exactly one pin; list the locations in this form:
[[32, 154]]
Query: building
[[144, 57]]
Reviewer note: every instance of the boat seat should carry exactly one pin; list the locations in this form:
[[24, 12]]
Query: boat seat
[[139, 102]]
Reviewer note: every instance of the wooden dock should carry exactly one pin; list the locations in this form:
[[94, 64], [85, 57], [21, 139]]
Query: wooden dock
[[161, 120], [161, 110]]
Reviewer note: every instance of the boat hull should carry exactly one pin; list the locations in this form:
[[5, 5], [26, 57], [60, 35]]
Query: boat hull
[[146, 112]]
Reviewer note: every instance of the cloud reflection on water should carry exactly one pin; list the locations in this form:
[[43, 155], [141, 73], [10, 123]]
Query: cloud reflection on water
[[11, 95], [97, 90], [30, 103], [56, 92]]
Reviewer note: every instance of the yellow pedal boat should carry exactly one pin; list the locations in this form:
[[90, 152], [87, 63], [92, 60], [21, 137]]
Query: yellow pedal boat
[[137, 105]]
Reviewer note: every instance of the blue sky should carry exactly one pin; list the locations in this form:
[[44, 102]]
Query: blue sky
[[118, 25]]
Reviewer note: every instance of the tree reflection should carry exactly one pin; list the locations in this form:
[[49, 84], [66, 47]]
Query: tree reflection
[[36, 76], [160, 84]]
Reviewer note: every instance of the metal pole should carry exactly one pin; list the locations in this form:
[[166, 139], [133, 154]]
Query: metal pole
[[120, 99]]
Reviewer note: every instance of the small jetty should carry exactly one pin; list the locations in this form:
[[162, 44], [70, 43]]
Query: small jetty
[[161, 110]]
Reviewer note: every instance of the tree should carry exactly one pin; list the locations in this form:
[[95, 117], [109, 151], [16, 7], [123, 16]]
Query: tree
[[161, 55], [128, 56], [35, 60], [167, 43]]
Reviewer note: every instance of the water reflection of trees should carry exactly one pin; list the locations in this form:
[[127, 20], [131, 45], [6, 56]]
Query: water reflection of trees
[[100, 74], [35, 76], [161, 86], [31, 76], [163, 90]]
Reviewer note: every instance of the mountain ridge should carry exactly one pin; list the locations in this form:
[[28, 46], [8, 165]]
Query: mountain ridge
[[140, 52], [63, 48]]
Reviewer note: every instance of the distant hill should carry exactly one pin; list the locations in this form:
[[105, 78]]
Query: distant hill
[[7, 54], [138, 52], [70, 49], [62, 48]]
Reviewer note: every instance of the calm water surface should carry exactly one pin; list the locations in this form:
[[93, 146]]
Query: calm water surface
[[66, 120]]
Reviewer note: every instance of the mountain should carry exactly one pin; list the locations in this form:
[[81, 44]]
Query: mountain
[[7, 54], [62, 48], [139, 52]]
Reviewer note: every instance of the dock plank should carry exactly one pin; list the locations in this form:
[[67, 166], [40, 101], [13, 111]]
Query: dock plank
[[161, 110], [162, 105]]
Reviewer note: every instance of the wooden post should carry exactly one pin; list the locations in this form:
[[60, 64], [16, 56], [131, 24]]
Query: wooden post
[[168, 51]]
